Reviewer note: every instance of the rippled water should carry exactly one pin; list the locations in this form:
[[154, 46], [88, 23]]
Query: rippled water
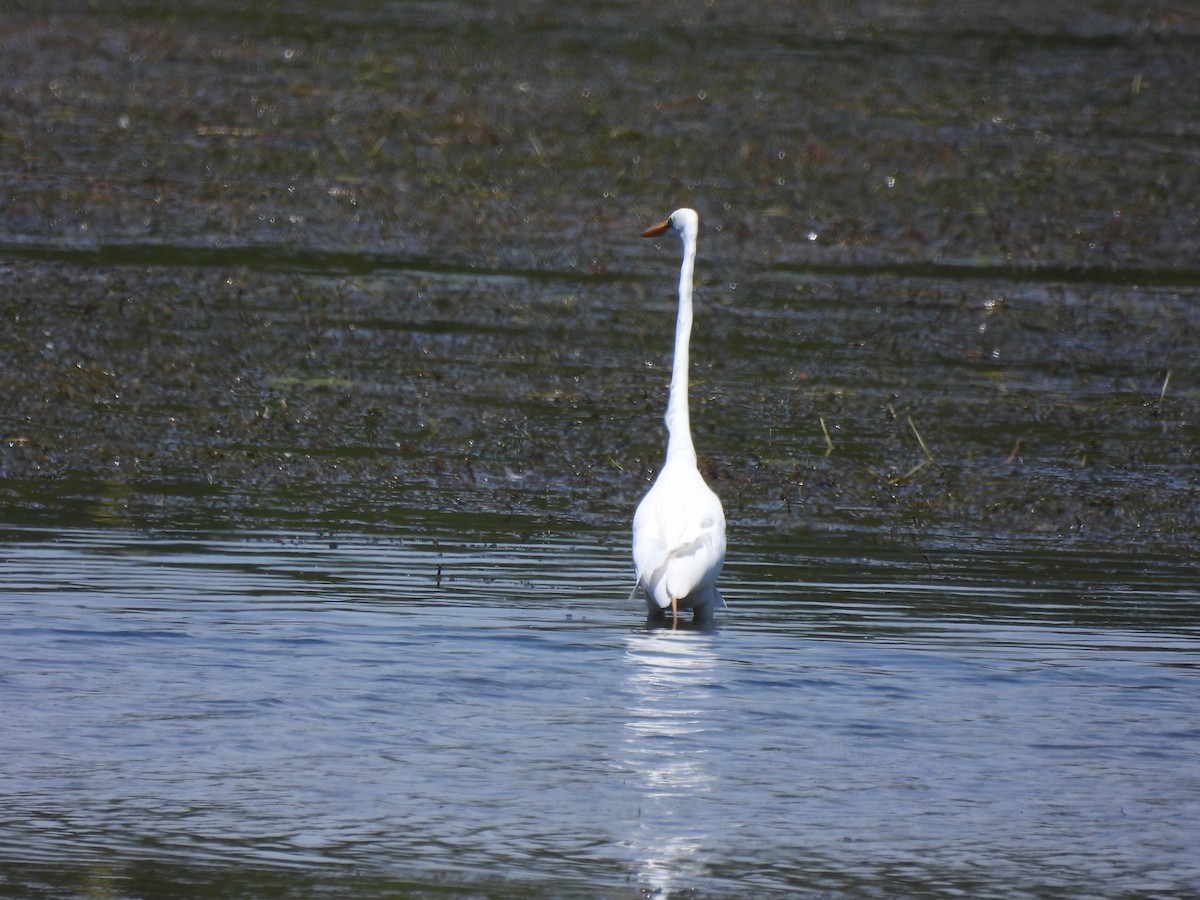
[[416, 713]]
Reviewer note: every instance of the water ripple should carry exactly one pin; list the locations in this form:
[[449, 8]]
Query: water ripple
[[279, 700]]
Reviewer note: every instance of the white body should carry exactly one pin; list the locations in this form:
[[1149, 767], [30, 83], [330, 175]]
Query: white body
[[679, 527]]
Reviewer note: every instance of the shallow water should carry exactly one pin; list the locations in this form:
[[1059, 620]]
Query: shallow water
[[418, 713], [332, 367]]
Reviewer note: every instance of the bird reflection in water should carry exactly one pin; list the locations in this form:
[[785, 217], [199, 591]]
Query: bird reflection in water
[[669, 739]]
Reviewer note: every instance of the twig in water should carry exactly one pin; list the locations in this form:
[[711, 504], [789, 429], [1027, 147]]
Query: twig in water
[[910, 473], [1163, 393], [919, 466], [920, 440], [828, 439]]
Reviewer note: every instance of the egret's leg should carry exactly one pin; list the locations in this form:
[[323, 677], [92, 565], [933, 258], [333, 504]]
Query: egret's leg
[[674, 611]]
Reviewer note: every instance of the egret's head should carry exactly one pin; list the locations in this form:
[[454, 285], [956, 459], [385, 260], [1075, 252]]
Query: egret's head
[[683, 222]]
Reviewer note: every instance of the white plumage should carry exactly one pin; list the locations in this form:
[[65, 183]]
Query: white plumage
[[679, 527]]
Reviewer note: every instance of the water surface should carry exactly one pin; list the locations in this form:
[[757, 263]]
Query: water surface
[[495, 716]]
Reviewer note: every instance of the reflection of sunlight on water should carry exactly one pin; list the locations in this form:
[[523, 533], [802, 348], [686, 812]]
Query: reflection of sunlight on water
[[667, 739]]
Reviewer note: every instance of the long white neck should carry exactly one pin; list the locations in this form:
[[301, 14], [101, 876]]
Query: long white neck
[[679, 428]]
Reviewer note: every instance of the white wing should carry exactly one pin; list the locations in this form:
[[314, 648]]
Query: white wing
[[679, 540]]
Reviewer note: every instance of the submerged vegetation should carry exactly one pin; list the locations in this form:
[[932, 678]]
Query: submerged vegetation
[[327, 267]]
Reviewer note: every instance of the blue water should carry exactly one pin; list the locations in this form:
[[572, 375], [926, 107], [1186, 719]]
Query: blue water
[[493, 716]]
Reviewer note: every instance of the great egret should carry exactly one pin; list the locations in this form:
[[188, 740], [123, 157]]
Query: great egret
[[679, 527]]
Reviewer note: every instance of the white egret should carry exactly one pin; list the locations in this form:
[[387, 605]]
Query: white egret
[[679, 527]]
